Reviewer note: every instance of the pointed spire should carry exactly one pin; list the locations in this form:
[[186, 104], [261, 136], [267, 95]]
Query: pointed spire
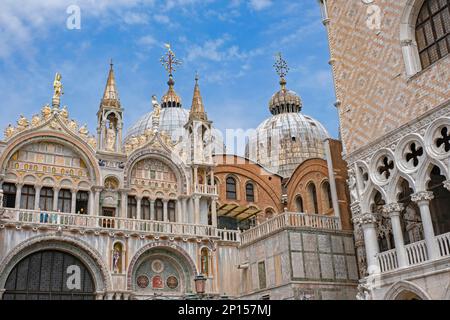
[[111, 95], [197, 109]]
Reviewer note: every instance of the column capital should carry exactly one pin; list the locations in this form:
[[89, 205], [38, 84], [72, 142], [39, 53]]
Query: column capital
[[447, 184], [74, 190], [365, 219], [97, 188], [139, 197], [422, 196], [355, 209], [393, 209]]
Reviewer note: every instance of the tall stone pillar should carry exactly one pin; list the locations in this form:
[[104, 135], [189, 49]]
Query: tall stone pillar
[[368, 224], [138, 207], [394, 210], [165, 215], [37, 197], [18, 194], [97, 191], [196, 209], [123, 203], [73, 206], [152, 209], [214, 211], [55, 198], [179, 211], [91, 202], [423, 201]]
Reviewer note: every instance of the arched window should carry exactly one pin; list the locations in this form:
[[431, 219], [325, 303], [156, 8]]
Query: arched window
[[204, 256], [440, 203], [326, 193], [171, 210], [145, 209], [159, 208], [82, 202], [313, 198], [299, 203], [27, 197], [231, 188], [64, 200], [433, 31], [46, 199], [250, 192], [9, 195], [132, 207]]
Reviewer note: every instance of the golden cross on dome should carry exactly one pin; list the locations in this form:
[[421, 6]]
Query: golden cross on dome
[[169, 61], [281, 66]]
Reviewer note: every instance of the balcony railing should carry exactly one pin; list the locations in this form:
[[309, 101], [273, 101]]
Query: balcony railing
[[206, 189], [156, 228], [416, 253], [288, 219]]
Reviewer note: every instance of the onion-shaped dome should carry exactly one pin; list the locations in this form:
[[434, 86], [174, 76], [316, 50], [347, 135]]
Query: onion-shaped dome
[[288, 138], [171, 99]]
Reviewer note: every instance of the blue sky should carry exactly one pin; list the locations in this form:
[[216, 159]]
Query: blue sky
[[231, 43]]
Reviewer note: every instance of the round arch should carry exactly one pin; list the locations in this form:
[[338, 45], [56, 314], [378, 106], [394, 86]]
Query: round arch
[[76, 247], [81, 149], [164, 245], [160, 155], [399, 290]]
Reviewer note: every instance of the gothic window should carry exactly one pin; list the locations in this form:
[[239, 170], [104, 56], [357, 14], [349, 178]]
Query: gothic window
[[299, 203], [433, 31], [386, 167], [326, 191], [9, 195], [159, 209], [250, 192], [44, 275], [145, 209], [313, 198], [82, 202], [46, 199], [204, 256], [414, 154], [231, 188], [440, 203], [27, 197], [444, 139], [171, 210], [132, 207]]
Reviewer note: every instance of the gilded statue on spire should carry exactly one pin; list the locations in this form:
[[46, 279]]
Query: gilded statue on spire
[[169, 60], [57, 89]]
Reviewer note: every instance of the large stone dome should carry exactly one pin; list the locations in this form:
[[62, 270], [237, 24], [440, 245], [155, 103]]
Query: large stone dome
[[286, 139]]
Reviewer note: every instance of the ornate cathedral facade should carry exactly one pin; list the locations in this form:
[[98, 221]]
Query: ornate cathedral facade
[[164, 213], [391, 68]]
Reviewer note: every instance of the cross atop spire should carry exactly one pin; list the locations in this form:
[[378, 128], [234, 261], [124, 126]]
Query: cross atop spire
[[169, 61], [111, 95], [282, 69]]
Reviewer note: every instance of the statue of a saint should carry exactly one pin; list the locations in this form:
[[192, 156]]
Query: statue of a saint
[[57, 86], [35, 120], [116, 259], [22, 123], [156, 107], [9, 131], [110, 137], [46, 112], [352, 186], [83, 131]]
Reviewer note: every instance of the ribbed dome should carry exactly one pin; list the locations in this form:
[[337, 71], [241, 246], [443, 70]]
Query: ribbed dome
[[282, 142], [285, 101]]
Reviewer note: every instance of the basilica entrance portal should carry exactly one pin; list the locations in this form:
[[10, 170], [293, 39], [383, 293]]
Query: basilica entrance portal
[[49, 275]]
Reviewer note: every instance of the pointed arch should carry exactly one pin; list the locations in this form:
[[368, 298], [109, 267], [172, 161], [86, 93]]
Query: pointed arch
[[397, 290]]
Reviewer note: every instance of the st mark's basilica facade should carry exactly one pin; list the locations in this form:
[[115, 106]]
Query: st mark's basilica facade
[[163, 211]]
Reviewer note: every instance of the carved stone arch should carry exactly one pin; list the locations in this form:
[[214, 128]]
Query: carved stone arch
[[408, 36], [165, 245], [160, 155], [114, 177], [81, 148], [368, 197], [374, 175], [74, 246], [393, 189], [424, 176], [395, 291], [429, 138]]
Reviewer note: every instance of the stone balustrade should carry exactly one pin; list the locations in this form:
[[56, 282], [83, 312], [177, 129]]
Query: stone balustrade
[[293, 220], [206, 189]]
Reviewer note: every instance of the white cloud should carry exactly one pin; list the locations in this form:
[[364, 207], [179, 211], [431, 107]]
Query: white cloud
[[260, 4], [161, 18], [135, 18], [147, 41]]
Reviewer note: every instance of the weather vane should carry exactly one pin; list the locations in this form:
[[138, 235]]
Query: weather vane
[[281, 66], [169, 61]]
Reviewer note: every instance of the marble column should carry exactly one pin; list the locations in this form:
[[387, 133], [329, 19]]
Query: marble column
[[184, 207], [138, 207], [123, 203], [196, 210], [55, 198], [423, 201], [368, 224], [37, 198], [179, 211], [18, 194], [195, 178], [394, 210], [165, 215], [97, 201], [214, 212], [73, 205], [91, 203], [152, 209]]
